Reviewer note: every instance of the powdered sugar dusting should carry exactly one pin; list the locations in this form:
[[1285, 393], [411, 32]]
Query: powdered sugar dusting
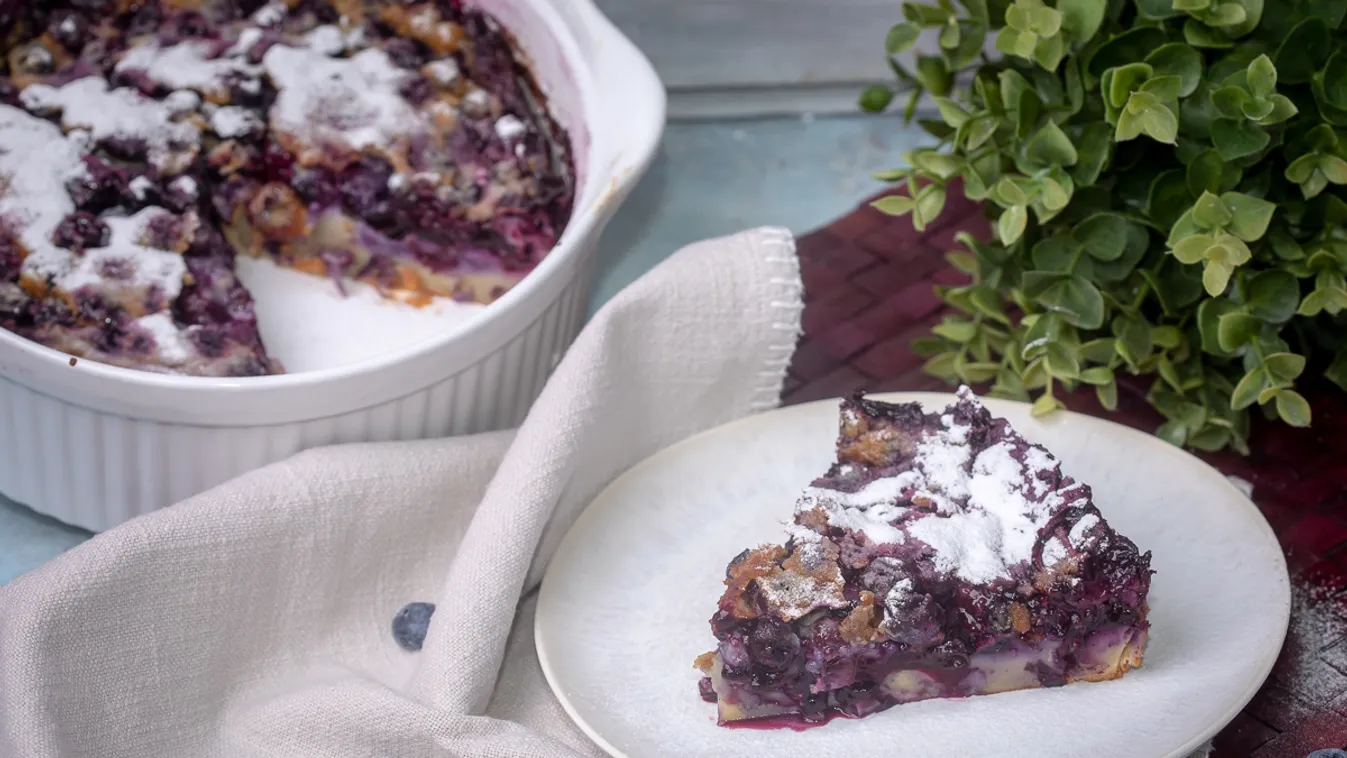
[[870, 510], [174, 347], [793, 594], [193, 64], [36, 161], [988, 507], [233, 121], [270, 14], [143, 267], [88, 104], [344, 101]]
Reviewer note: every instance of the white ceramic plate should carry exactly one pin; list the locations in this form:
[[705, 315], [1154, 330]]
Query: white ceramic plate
[[625, 605]]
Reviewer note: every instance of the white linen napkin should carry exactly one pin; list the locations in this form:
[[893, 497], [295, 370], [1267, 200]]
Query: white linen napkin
[[254, 620]]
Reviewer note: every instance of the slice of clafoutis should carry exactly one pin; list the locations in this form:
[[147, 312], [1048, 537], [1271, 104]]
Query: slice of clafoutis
[[942, 555]]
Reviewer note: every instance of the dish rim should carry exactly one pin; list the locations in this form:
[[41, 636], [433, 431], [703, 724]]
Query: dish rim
[[614, 85]]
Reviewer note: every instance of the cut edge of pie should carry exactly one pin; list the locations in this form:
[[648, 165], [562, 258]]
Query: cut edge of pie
[[405, 145], [942, 555]]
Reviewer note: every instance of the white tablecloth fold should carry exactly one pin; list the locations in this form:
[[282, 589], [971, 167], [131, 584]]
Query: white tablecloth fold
[[254, 620]]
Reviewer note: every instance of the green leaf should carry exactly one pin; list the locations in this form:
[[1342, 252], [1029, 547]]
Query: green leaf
[[1208, 324], [1293, 408], [1251, 215], [942, 366], [1051, 147], [1216, 277], [876, 98], [1185, 226], [1284, 367], [901, 38], [1314, 303], [956, 330], [1193, 248], [979, 131], [1078, 301], [949, 35], [1337, 372], [1236, 139], [1045, 404], [1134, 339], [910, 107], [1061, 362], [1257, 110], [1247, 391], [1168, 198], [934, 75], [930, 202], [1008, 192], [1198, 34], [1108, 395], [1303, 51], [1211, 212], [1156, 10], [1302, 168], [1044, 21], [1173, 432], [972, 40], [1282, 109], [1273, 296], [987, 303], [1049, 52], [1092, 150], [894, 205], [951, 112], [891, 175], [1165, 88], [1178, 59], [1124, 80], [1332, 80], [1165, 368], [1098, 350], [1334, 168], [1211, 438], [1237, 328], [1010, 226], [1160, 124], [1056, 194], [1204, 173], [1097, 375], [1081, 19], [1262, 76], [1130, 127], [1166, 337], [1128, 47], [1103, 235]]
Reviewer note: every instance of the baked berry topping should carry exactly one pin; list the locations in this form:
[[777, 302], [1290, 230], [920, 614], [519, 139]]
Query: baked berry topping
[[81, 230]]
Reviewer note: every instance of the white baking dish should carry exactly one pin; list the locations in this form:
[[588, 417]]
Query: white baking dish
[[94, 445]]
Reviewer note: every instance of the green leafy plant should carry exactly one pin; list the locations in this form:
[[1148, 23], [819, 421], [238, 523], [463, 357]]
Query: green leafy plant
[[1167, 180]]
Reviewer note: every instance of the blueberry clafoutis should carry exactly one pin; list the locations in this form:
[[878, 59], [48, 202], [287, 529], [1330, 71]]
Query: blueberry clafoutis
[[942, 555], [144, 145]]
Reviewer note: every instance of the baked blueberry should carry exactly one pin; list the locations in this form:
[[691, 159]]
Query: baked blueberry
[[411, 624]]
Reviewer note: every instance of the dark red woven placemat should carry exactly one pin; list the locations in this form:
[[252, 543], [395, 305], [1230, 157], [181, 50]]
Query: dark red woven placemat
[[868, 292]]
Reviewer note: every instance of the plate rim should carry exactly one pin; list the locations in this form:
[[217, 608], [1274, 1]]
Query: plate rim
[[928, 400]]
